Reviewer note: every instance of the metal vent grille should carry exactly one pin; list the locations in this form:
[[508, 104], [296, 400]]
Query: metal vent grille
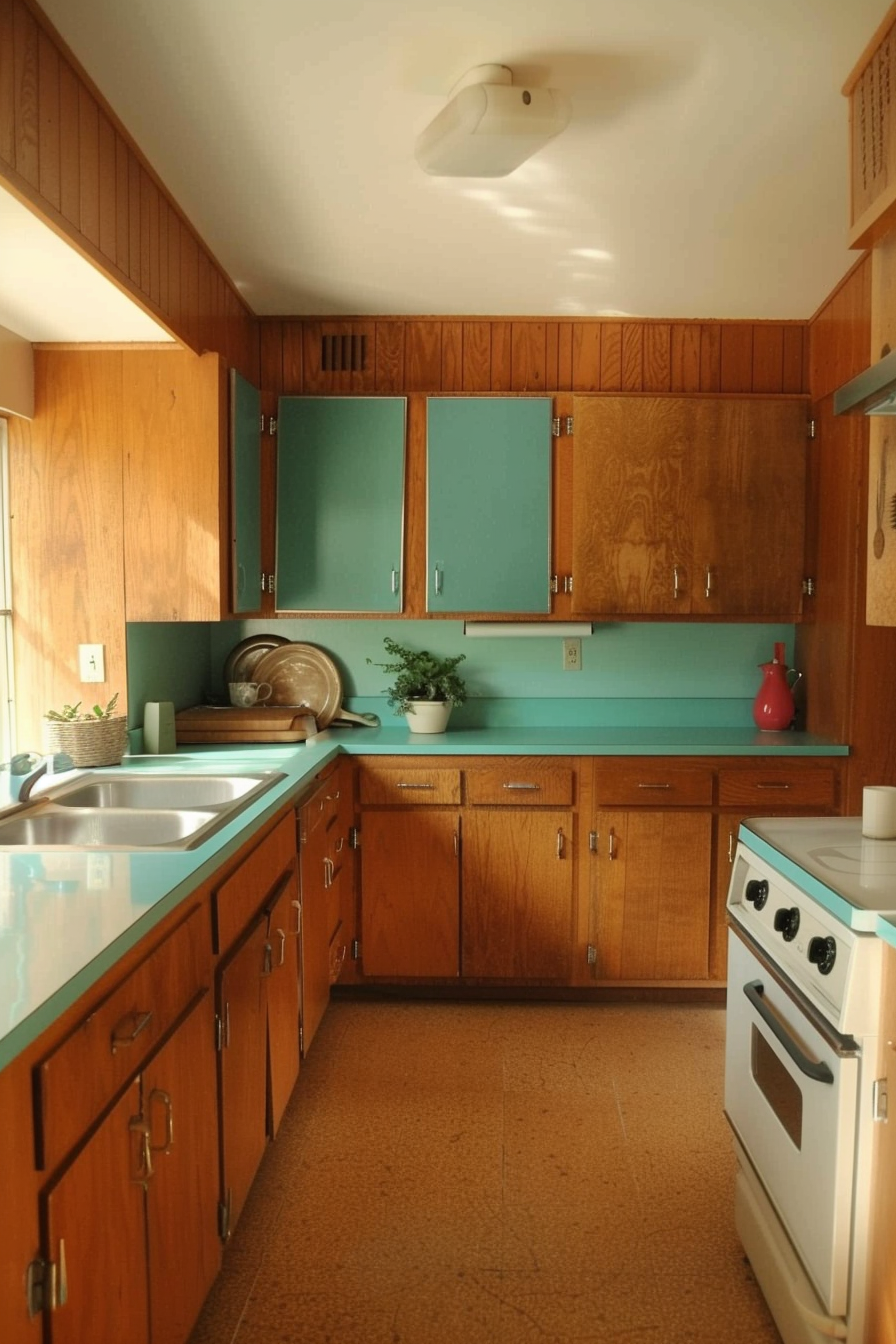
[[343, 354]]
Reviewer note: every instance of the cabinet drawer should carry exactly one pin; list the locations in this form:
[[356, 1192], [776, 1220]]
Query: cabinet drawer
[[323, 806], [777, 786], [243, 894], [76, 1082], [411, 787], [651, 783], [520, 785]]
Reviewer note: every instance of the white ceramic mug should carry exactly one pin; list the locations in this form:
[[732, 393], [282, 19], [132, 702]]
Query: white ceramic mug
[[244, 694]]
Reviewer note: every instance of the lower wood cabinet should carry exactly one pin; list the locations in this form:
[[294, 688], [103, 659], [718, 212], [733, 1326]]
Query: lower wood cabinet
[[518, 895]]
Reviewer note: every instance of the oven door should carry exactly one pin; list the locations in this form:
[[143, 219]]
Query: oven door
[[791, 1095]]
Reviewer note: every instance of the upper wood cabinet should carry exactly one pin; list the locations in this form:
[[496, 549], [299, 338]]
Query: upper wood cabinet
[[340, 503], [176, 554], [488, 504], [689, 506]]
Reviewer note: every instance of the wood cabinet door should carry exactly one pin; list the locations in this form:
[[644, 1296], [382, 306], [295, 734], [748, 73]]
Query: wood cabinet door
[[749, 522], [340, 503], [650, 885], [518, 882], [634, 504], [284, 912], [245, 495], [410, 895], [180, 1108], [242, 1066], [314, 951], [95, 1221], [488, 504]]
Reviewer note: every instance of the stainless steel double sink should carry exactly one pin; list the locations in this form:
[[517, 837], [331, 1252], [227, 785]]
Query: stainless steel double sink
[[132, 810]]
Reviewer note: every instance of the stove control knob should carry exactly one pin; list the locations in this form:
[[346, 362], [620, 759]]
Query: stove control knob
[[787, 922], [756, 892], [823, 954]]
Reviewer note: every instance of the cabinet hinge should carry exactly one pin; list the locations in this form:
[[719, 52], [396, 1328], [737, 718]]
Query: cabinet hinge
[[591, 955], [592, 842], [561, 424], [356, 949], [222, 1028], [555, 583], [267, 582], [808, 587], [224, 1212], [879, 1101], [354, 839], [811, 429], [272, 425], [41, 1287]]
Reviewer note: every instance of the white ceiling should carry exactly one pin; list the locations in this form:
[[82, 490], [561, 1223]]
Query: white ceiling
[[703, 173]]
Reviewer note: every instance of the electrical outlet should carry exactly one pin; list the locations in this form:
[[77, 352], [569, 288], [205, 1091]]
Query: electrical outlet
[[92, 662], [572, 655]]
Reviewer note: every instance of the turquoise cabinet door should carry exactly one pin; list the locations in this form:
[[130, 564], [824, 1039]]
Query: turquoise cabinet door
[[340, 503], [245, 476], [488, 504]]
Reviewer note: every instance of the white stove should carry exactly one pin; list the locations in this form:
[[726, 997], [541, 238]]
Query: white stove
[[804, 993]]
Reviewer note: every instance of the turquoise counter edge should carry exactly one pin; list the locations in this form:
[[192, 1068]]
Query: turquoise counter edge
[[157, 883]]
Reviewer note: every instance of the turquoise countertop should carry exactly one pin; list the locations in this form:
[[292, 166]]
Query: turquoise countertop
[[66, 916]]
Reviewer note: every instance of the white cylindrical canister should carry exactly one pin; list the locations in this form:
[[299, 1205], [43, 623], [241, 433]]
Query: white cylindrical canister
[[879, 812]]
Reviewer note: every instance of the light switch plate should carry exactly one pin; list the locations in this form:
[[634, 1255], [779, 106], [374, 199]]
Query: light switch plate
[[92, 662]]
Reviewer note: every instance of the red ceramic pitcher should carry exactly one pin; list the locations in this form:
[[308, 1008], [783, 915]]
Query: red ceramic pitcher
[[773, 708]]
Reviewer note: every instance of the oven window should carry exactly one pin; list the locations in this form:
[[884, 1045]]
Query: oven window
[[777, 1086]]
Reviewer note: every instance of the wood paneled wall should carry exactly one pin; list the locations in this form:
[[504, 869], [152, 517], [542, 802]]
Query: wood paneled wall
[[66, 156], [399, 355]]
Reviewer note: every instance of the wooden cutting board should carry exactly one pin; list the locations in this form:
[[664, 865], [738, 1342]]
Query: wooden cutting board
[[260, 723]]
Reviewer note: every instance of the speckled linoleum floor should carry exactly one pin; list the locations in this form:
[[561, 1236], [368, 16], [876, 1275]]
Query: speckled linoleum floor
[[496, 1174]]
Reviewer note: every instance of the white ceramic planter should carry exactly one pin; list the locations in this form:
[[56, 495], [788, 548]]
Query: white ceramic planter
[[429, 716]]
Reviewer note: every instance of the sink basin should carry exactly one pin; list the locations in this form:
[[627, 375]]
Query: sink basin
[[141, 790], [98, 828], [132, 811]]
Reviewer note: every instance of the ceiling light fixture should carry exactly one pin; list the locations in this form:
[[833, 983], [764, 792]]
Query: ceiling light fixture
[[490, 126]]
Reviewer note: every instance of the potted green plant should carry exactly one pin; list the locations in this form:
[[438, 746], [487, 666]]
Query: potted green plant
[[96, 736], [425, 688]]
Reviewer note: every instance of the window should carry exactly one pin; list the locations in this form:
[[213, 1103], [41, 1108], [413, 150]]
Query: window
[[7, 706]]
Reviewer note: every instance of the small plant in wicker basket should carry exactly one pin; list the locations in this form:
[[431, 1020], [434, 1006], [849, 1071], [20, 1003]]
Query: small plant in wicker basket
[[96, 736]]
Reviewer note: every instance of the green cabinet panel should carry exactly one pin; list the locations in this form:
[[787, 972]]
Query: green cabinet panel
[[245, 475], [340, 503], [488, 504]]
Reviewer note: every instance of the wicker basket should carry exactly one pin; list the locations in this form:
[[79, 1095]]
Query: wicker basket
[[88, 741]]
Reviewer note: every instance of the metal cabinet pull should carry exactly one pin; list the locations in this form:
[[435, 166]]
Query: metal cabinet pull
[[340, 844], [612, 843], [561, 843], [776, 784], [157, 1095], [122, 1036], [402, 785], [329, 871], [438, 581], [138, 1125], [456, 845], [297, 906], [61, 1294], [536, 787], [654, 786], [282, 947], [394, 580], [592, 842], [267, 964], [707, 592], [731, 845], [676, 585]]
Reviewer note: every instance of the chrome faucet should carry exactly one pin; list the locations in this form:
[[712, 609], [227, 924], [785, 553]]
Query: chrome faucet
[[27, 767]]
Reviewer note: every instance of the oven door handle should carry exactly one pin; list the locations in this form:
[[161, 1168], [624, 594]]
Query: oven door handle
[[819, 1073]]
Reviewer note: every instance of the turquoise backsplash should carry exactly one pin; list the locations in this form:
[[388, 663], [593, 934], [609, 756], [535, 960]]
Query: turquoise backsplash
[[647, 674]]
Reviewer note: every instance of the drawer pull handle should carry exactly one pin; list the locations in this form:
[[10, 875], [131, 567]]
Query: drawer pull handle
[[777, 784], [707, 591], [129, 1028], [561, 842], [612, 843], [402, 785], [534, 787], [158, 1095], [138, 1125], [282, 936], [676, 582], [438, 581], [297, 906], [654, 786]]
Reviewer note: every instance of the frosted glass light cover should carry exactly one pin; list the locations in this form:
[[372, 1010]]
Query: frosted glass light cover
[[488, 130]]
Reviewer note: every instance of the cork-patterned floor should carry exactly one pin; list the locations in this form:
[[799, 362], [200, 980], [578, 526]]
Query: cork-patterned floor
[[496, 1174]]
